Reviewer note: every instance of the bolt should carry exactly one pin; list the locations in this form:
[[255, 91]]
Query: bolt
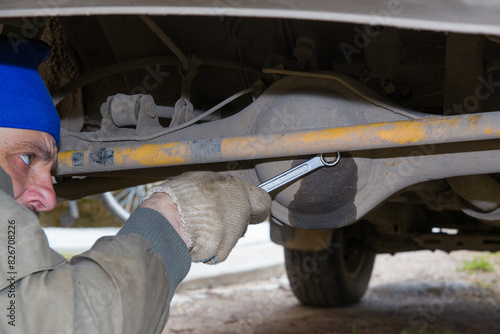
[[149, 108]]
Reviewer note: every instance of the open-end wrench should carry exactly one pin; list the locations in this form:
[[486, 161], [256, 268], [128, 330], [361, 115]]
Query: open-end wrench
[[298, 171]]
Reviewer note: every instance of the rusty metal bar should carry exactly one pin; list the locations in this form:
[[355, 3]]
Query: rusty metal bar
[[481, 126]]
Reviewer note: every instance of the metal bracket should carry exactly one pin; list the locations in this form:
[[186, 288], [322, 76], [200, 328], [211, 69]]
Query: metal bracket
[[183, 107], [122, 111]]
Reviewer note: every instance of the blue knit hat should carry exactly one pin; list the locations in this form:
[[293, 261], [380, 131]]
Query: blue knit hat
[[25, 102]]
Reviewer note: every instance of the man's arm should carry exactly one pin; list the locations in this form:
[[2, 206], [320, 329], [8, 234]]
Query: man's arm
[[123, 284], [164, 204], [150, 222]]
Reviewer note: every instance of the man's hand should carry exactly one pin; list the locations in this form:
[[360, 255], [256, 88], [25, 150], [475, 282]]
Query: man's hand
[[163, 203], [210, 211]]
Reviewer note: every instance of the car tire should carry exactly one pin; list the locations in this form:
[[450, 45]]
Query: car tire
[[335, 277]]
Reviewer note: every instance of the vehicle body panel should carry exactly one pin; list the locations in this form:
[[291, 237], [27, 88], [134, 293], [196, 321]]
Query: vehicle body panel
[[443, 15]]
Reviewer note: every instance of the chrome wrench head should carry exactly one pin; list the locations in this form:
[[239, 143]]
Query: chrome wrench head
[[298, 171], [332, 163]]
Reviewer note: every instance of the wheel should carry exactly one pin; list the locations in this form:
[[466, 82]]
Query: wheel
[[122, 202], [334, 277]]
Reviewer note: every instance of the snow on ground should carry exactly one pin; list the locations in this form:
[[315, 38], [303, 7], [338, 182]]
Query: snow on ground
[[253, 252], [75, 240]]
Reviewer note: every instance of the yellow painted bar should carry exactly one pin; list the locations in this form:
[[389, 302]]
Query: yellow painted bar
[[483, 126]]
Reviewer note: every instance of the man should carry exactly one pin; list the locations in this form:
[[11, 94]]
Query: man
[[123, 284]]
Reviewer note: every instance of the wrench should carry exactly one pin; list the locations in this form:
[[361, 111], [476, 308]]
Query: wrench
[[298, 171]]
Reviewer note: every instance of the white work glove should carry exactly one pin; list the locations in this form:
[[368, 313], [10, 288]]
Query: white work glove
[[215, 210]]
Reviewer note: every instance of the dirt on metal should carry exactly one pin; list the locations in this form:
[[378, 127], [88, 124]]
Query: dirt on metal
[[415, 292]]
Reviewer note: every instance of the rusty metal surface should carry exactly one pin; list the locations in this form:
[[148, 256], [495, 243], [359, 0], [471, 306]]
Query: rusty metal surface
[[388, 148], [461, 128]]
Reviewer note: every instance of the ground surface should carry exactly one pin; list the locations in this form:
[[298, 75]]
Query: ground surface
[[418, 292]]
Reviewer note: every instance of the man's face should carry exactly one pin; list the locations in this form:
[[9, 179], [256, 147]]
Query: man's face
[[29, 157]]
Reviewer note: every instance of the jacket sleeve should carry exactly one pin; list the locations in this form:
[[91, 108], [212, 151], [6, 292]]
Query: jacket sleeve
[[123, 284]]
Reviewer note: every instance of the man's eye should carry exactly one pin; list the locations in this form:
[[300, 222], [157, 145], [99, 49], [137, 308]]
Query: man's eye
[[26, 158]]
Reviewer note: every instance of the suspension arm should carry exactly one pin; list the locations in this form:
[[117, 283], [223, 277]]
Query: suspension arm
[[130, 155]]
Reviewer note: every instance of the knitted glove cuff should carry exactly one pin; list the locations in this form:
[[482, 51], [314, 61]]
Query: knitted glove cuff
[[167, 190]]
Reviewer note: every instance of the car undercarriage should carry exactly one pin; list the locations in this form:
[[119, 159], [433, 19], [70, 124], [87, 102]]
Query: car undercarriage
[[410, 102]]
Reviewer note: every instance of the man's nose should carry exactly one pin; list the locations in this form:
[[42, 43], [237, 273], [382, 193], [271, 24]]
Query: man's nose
[[40, 194]]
